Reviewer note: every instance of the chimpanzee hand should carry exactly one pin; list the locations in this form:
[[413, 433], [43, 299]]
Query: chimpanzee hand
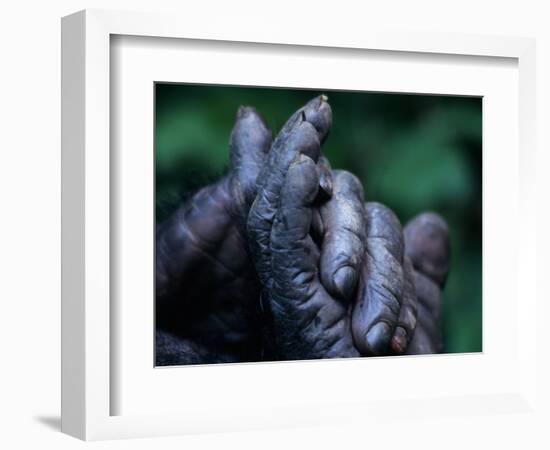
[[207, 293], [397, 308], [206, 288], [307, 320]]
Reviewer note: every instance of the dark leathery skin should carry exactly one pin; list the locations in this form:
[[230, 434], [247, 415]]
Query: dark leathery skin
[[172, 350], [406, 323], [313, 241], [206, 286], [382, 282], [308, 322], [344, 236], [427, 244]]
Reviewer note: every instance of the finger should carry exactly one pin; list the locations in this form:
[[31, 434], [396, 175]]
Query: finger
[[303, 133], [344, 238], [303, 138], [427, 245], [406, 322], [427, 337], [318, 115], [293, 250], [317, 112], [250, 142], [376, 313]]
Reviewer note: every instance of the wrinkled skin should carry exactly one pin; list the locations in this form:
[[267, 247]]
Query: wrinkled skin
[[308, 322], [205, 284], [207, 290], [385, 316], [332, 270]]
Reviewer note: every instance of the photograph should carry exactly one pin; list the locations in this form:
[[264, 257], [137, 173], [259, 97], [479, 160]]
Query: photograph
[[306, 224]]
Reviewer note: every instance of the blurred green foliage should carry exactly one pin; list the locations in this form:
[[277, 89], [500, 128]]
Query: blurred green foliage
[[411, 152]]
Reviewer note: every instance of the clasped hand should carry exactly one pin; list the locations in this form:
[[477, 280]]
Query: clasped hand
[[282, 259]]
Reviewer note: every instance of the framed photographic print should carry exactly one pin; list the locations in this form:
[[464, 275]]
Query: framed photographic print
[[417, 153], [257, 222]]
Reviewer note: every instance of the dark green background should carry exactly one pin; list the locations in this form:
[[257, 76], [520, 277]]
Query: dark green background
[[411, 152]]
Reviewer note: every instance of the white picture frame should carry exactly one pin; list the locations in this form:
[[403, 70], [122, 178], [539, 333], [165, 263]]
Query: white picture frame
[[88, 329]]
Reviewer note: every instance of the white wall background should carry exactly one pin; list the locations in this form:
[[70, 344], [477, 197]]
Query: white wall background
[[30, 235]]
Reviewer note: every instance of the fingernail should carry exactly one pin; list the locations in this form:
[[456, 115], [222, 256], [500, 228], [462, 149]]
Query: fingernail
[[378, 338], [316, 102], [319, 114], [345, 279], [399, 340]]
